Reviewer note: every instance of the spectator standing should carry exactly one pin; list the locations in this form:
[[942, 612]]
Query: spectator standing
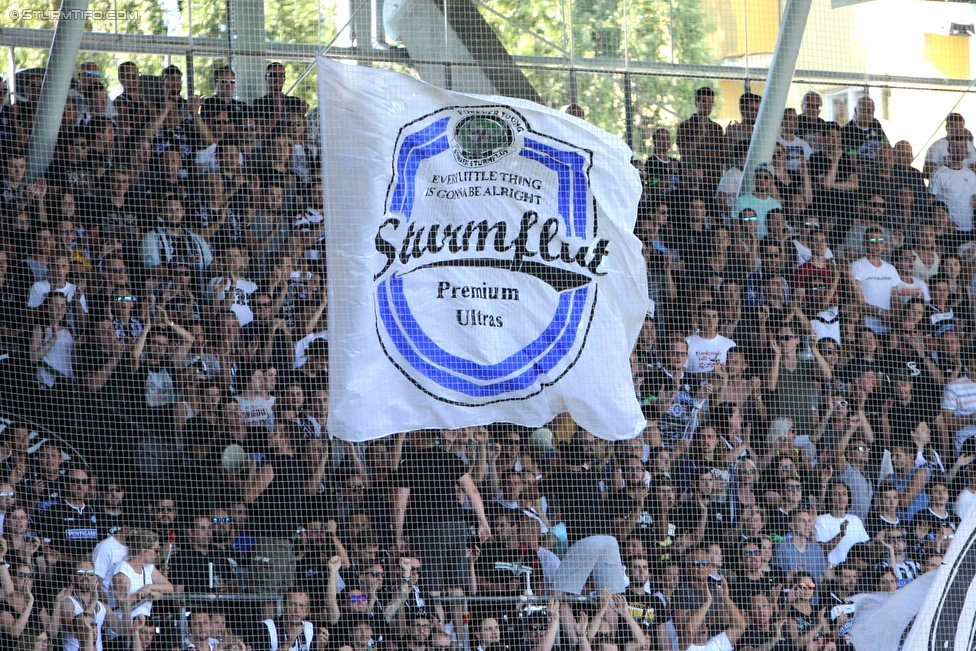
[[955, 184], [864, 135], [799, 549], [428, 520], [837, 529], [938, 153], [700, 127], [137, 580], [276, 491], [874, 279]]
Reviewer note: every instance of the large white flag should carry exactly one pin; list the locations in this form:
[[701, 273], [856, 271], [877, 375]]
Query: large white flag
[[936, 611], [947, 617], [482, 266]]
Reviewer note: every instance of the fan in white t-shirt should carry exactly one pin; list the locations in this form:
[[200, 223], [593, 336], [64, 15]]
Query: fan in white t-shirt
[[707, 348], [837, 530], [875, 280]]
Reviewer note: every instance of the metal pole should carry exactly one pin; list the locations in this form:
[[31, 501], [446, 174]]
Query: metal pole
[[467, 627], [190, 86], [54, 89], [628, 111], [766, 130]]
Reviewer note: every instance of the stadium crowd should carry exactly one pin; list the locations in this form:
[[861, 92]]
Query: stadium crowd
[[811, 423]]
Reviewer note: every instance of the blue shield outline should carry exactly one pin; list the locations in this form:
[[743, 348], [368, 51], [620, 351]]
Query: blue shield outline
[[521, 375]]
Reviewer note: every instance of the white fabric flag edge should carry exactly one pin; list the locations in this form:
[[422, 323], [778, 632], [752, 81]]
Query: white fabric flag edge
[[947, 617]]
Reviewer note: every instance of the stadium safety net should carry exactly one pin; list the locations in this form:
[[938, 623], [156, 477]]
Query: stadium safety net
[[341, 325]]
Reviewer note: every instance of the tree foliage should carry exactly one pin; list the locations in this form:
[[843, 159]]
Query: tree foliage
[[640, 30]]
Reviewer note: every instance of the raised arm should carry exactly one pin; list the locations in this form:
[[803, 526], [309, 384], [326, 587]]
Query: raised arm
[[688, 626], [402, 498], [737, 622], [39, 347], [549, 640], [331, 596], [186, 338], [623, 609], [772, 378], [469, 488], [402, 593], [914, 487], [140, 345], [333, 530]]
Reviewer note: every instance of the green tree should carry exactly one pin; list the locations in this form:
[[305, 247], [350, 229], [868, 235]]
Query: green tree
[[614, 29]]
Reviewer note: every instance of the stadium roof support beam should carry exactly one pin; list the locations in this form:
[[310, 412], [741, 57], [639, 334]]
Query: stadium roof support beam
[[55, 87], [162, 45], [439, 34], [781, 70]]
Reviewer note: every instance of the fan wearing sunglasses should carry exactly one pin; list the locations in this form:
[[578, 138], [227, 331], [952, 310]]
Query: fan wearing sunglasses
[[79, 597], [703, 606], [803, 622], [874, 279], [72, 524], [353, 604], [751, 577]]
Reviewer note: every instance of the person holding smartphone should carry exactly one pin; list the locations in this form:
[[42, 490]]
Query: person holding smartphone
[[694, 630]]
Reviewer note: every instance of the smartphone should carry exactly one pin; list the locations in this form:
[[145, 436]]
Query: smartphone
[[842, 609]]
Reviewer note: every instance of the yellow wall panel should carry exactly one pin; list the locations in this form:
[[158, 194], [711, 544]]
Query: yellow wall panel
[[730, 90], [949, 54], [742, 26]]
